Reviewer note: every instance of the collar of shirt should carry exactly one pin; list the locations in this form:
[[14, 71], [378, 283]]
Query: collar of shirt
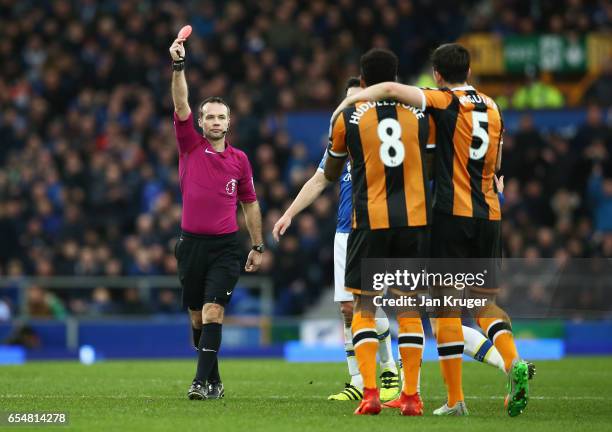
[[208, 148], [463, 88]]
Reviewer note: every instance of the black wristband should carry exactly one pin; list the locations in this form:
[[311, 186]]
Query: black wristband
[[178, 65], [258, 248]]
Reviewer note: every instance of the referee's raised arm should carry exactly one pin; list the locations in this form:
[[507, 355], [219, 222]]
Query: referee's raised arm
[[186, 135], [179, 83]]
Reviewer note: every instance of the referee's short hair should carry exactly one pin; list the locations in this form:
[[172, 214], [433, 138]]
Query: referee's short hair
[[352, 82], [213, 99]]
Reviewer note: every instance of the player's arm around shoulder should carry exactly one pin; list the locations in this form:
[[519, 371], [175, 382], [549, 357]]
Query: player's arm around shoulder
[[405, 94], [435, 98]]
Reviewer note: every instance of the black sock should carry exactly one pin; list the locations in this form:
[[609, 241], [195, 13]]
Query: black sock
[[213, 376], [197, 334], [210, 341]]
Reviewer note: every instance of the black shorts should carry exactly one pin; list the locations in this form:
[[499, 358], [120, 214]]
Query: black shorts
[[405, 242], [473, 244], [208, 268], [465, 237]]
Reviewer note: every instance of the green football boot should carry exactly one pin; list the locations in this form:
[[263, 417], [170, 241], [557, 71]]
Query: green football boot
[[518, 388]]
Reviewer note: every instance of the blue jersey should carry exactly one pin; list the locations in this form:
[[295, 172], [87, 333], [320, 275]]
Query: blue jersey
[[345, 205]]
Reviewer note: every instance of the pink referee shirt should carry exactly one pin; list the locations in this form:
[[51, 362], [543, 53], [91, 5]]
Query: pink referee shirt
[[211, 183]]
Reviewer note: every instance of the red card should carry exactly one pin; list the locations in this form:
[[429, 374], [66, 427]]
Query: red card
[[184, 32]]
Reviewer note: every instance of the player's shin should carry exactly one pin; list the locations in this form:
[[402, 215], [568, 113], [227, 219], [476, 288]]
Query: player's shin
[[387, 362], [496, 325], [449, 336], [481, 349], [208, 349], [365, 341], [351, 360], [196, 334], [410, 343]]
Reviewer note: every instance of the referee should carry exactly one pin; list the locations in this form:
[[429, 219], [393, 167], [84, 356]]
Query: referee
[[214, 176]]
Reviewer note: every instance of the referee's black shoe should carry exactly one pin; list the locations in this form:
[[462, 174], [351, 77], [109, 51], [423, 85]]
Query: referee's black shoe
[[197, 391], [215, 390]]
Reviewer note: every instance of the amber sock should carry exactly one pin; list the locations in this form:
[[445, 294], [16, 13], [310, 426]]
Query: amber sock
[[450, 351], [498, 329], [365, 342], [410, 342]]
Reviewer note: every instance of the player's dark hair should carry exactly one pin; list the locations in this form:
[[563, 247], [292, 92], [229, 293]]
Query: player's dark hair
[[378, 65], [213, 99], [352, 82], [452, 61]]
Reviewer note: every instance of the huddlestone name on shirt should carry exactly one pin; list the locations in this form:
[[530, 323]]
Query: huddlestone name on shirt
[[363, 107]]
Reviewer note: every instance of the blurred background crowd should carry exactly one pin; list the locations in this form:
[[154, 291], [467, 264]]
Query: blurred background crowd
[[88, 163], [525, 17]]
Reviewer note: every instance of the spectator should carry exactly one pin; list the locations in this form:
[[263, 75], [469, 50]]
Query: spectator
[[167, 303], [132, 303], [600, 197], [593, 129], [538, 94], [44, 304], [5, 310], [101, 302], [600, 90], [25, 336]]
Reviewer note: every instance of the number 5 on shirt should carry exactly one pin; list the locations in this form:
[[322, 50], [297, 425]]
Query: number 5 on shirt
[[479, 130]]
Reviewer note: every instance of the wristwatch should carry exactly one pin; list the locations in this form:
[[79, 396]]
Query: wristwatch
[[258, 248], [178, 65]]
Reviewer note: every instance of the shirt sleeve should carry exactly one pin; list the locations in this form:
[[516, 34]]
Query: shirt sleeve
[[321, 166], [187, 138], [337, 138], [434, 98], [246, 186]]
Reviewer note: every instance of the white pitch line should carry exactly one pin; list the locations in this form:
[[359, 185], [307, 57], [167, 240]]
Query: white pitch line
[[542, 397], [279, 397]]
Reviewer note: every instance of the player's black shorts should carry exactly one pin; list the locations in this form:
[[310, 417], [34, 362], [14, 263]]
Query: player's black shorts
[[473, 243], [405, 242], [465, 237], [208, 268]]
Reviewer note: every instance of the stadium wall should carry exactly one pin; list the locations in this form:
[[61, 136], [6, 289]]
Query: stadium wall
[[134, 339]]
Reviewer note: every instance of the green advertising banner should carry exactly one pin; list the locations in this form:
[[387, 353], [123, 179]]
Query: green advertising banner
[[550, 52]]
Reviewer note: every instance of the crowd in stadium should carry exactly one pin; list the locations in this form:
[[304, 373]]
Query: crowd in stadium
[[572, 17], [88, 162]]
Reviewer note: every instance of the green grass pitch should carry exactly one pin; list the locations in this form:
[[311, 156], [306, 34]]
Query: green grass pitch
[[271, 395]]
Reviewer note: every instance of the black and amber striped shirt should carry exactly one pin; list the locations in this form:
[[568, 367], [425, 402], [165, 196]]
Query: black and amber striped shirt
[[469, 130], [386, 142]]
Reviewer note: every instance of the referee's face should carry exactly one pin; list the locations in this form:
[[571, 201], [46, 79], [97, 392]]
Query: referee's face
[[214, 120]]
